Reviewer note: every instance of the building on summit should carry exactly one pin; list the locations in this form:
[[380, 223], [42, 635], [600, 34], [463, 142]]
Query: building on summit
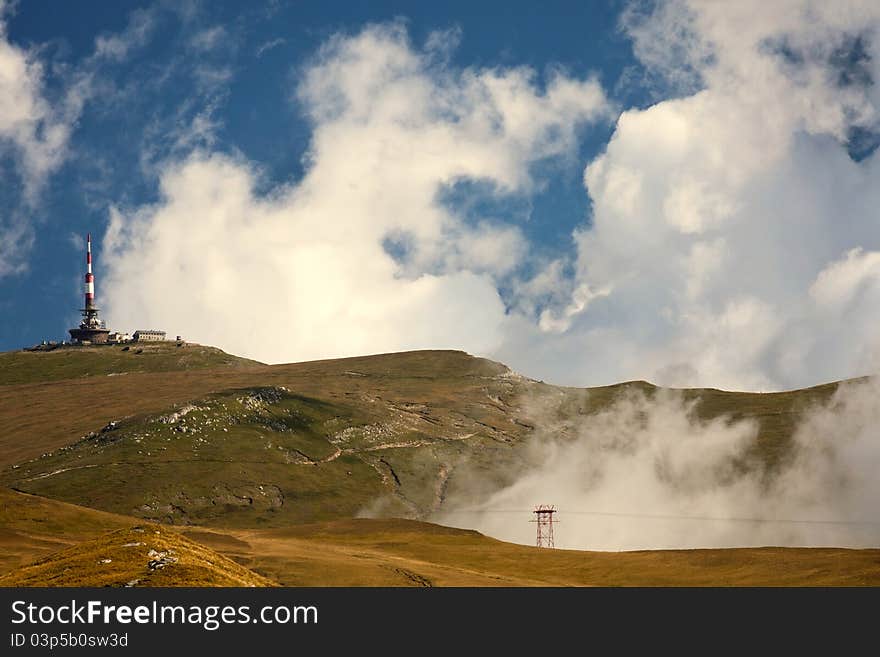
[[149, 336], [92, 329]]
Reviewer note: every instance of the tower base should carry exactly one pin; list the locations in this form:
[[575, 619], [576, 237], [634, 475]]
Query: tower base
[[89, 335]]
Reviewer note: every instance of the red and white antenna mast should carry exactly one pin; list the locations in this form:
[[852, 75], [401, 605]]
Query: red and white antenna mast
[[91, 329], [90, 277], [544, 519]]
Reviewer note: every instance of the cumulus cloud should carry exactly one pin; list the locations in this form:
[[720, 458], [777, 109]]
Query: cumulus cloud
[[647, 473], [33, 136], [730, 222], [731, 243], [360, 255], [29, 125]]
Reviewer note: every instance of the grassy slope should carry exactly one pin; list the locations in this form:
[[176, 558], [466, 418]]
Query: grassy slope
[[33, 527], [343, 432], [223, 461], [330, 438], [40, 417], [122, 558], [409, 553], [374, 553], [72, 362], [47, 399]]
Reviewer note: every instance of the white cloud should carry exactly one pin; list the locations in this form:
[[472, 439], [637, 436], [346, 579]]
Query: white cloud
[[209, 38], [723, 217], [28, 124], [76, 242], [301, 272], [716, 255], [117, 46], [581, 297], [648, 473], [33, 135], [839, 282], [269, 45]]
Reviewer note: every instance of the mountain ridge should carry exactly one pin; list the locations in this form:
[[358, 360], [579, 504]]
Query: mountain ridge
[[250, 445], [268, 464]]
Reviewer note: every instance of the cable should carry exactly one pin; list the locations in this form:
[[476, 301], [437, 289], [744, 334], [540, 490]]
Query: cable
[[674, 517]]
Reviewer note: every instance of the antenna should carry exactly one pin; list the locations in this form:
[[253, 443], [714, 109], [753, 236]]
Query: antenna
[[91, 329]]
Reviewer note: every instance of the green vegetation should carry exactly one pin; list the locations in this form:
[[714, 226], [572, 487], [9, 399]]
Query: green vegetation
[[268, 465], [312, 448], [394, 434], [252, 457], [69, 362]]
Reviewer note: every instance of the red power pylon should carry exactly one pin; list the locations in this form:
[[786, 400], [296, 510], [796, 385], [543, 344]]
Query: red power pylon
[[544, 519]]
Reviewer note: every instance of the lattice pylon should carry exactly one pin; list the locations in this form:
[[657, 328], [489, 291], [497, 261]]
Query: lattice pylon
[[544, 519]]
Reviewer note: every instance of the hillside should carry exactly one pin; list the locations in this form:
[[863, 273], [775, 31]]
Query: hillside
[[267, 446], [272, 455], [143, 555], [395, 552], [71, 361], [408, 553], [32, 527], [267, 465]]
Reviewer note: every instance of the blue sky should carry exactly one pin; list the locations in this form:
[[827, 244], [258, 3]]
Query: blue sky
[[265, 44], [588, 191]]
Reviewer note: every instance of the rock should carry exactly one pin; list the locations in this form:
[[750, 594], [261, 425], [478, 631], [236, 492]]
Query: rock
[[160, 559]]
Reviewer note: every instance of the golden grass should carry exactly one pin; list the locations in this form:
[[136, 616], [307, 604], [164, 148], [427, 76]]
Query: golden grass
[[70, 543], [456, 392], [128, 557], [408, 553], [32, 527]]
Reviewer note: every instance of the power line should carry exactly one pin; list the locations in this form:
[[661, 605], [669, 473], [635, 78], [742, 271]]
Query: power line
[[800, 521]]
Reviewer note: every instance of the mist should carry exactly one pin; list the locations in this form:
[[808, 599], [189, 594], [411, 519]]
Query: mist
[[647, 473]]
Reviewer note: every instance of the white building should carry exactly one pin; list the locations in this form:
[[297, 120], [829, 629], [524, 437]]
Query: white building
[[149, 336]]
